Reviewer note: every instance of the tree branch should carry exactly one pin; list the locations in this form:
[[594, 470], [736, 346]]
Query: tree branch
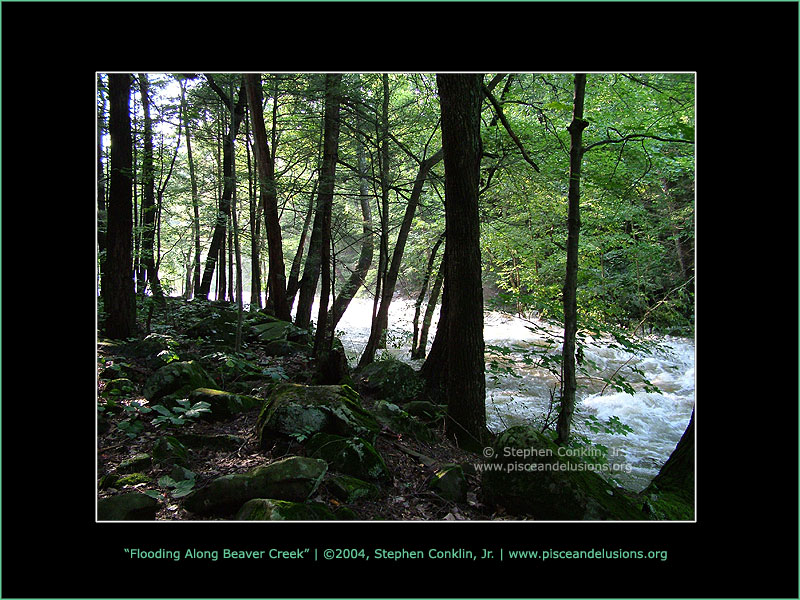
[[499, 110], [635, 136]]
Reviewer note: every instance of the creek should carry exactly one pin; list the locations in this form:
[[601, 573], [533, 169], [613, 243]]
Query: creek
[[518, 391]]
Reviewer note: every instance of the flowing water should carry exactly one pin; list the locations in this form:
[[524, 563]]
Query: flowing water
[[521, 393]]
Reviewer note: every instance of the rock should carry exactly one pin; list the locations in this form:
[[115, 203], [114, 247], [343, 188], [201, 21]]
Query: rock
[[349, 455], [449, 483], [176, 379], [262, 509], [138, 462], [221, 441], [301, 411], [284, 348], [350, 489], [131, 506], [529, 474], [281, 330], [224, 405], [399, 421], [294, 478], [391, 380], [424, 410]]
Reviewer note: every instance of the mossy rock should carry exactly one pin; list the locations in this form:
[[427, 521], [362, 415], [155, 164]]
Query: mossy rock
[[138, 462], [220, 441], [667, 504], [425, 410], [391, 380], [169, 451], [293, 478], [300, 410], [224, 405], [529, 474], [130, 506], [350, 489], [176, 380], [280, 330], [349, 455], [264, 509], [399, 421], [450, 483], [133, 479]]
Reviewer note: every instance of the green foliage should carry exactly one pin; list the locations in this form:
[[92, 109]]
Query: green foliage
[[179, 415]]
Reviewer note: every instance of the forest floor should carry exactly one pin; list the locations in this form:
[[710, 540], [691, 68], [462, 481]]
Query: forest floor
[[412, 463]]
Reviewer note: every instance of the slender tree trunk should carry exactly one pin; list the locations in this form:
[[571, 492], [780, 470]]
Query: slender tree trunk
[[220, 226], [148, 195], [429, 310], [195, 199], [319, 237], [387, 292], [255, 230], [383, 212], [569, 383], [118, 296], [461, 97], [293, 284], [269, 198], [102, 215], [357, 277], [421, 298]]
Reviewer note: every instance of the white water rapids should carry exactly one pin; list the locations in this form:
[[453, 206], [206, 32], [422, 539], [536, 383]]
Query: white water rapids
[[657, 420]]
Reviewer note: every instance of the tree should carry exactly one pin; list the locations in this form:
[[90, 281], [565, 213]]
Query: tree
[[220, 227], [265, 161], [319, 245], [568, 382], [460, 97], [118, 293]]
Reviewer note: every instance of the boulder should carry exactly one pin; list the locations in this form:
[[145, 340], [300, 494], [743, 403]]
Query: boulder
[[391, 380], [138, 462], [350, 489], [176, 380], [449, 483], [293, 478], [424, 410], [530, 474], [224, 405], [220, 441], [263, 509], [349, 455], [131, 506], [169, 451], [395, 418], [299, 411]]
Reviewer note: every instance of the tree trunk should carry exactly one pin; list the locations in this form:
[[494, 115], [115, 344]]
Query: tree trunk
[[677, 474], [415, 339], [460, 97], [195, 200], [422, 344], [148, 195], [569, 383], [293, 284], [255, 230], [269, 198], [320, 237], [118, 295], [356, 280], [387, 292], [102, 215], [220, 226]]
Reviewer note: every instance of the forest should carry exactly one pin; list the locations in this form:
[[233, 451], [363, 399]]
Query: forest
[[395, 296]]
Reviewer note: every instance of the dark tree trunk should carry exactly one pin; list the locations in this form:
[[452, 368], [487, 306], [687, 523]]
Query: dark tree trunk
[[569, 383], [118, 294], [460, 97], [359, 274], [422, 343], [220, 227], [195, 199], [416, 351], [102, 215], [677, 474], [269, 198], [148, 195], [255, 231], [320, 237], [390, 283], [293, 284]]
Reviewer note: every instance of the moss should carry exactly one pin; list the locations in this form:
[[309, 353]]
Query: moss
[[133, 479]]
